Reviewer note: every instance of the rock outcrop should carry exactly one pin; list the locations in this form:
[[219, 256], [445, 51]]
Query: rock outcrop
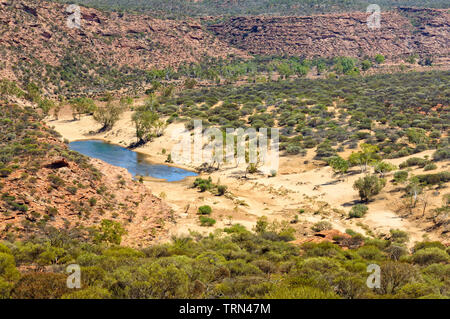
[[37, 32], [402, 32]]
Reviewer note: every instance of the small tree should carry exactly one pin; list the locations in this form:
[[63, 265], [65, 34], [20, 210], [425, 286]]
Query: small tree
[[146, 123], [383, 168], [344, 65], [82, 105], [369, 186], [413, 190], [46, 105], [108, 115], [160, 126], [168, 91], [285, 71], [366, 156], [109, 231], [261, 225], [338, 164]]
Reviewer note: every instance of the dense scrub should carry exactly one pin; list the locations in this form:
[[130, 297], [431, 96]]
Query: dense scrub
[[402, 114], [233, 263], [80, 73]]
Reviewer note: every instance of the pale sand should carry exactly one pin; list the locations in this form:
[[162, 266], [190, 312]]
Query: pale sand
[[311, 187]]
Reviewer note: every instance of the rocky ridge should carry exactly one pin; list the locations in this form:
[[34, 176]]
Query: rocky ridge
[[402, 32]]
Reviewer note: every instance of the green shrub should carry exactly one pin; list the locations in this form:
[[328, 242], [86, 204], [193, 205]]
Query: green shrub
[[322, 225], [442, 154], [358, 211], [394, 275], [428, 244], [414, 161], [221, 190], [8, 269], [414, 291], [379, 58], [431, 255], [203, 184], [56, 181], [72, 190], [205, 210], [369, 186], [252, 168], [370, 252], [236, 229], [383, 167], [110, 232], [5, 289], [122, 252], [52, 211], [295, 150], [433, 179], [400, 176], [338, 164], [4, 249], [88, 293], [92, 201], [303, 292], [19, 207], [40, 286], [399, 236], [430, 167], [206, 221]]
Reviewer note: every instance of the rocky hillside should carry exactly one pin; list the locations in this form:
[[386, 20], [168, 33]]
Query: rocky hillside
[[114, 50], [35, 39], [45, 187], [404, 31]]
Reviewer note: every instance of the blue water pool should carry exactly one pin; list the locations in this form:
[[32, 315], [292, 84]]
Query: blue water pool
[[136, 163]]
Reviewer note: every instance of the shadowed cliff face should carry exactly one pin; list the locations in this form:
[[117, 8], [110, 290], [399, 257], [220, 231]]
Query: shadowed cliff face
[[404, 31]]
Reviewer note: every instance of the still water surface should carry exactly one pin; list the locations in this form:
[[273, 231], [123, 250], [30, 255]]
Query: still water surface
[[136, 163]]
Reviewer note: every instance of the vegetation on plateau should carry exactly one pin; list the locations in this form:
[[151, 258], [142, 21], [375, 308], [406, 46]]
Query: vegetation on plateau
[[182, 8]]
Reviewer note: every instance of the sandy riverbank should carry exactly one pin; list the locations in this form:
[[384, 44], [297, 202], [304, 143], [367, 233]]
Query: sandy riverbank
[[301, 185]]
